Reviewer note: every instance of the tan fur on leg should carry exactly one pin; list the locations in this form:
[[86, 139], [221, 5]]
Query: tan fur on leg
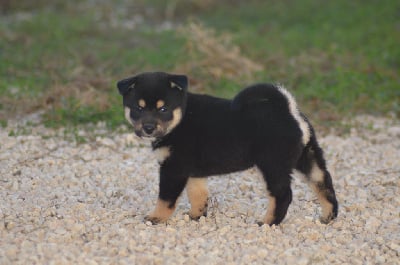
[[270, 216], [198, 195], [326, 206], [316, 182], [161, 213]]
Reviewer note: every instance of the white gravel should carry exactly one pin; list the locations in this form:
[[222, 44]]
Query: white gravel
[[67, 203]]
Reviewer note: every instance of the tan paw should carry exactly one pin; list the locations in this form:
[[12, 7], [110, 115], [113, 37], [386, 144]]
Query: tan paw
[[161, 213], [153, 220], [197, 214]]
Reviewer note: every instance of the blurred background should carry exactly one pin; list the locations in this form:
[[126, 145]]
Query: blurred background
[[63, 58]]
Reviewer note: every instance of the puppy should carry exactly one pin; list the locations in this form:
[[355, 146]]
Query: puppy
[[196, 136]]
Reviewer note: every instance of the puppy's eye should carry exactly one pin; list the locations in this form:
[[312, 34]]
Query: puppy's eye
[[162, 109]]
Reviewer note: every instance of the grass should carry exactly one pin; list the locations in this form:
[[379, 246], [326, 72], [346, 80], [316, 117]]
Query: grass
[[339, 58]]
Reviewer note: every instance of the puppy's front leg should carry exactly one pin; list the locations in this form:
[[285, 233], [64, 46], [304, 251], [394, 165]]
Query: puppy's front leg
[[172, 184], [198, 196]]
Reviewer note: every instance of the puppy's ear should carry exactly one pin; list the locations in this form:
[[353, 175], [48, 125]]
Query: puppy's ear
[[179, 81], [126, 84]]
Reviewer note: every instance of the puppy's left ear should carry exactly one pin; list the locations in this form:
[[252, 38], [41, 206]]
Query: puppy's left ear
[[125, 85], [179, 81]]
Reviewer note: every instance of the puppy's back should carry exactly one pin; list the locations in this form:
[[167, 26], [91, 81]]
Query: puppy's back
[[259, 94], [271, 110]]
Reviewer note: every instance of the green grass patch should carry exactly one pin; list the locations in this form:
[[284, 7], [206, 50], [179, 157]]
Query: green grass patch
[[339, 58], [341, 54]]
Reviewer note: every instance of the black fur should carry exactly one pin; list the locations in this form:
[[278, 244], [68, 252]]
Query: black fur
[[218, 136]]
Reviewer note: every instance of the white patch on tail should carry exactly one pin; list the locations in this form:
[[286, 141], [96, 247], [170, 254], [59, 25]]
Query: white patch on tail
[[296, 114]]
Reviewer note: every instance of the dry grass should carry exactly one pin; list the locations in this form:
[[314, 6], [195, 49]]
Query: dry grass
[[212, 55], [89, 97], [91, 91], [84, 91]]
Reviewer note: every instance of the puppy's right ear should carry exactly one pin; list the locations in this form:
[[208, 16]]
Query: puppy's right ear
[[125, 85], [179, 81]]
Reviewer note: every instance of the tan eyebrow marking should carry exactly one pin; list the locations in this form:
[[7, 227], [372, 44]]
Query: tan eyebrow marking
[[142, 103], [160, 103]]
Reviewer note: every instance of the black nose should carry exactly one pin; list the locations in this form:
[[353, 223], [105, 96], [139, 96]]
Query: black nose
[[149, 128]]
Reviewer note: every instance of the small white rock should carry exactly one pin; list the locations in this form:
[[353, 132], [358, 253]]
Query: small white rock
[[186, 218], [395, 247], [224, 230], [181, 223]]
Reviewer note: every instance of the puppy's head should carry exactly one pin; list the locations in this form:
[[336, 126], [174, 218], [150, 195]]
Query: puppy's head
[[154, 102]]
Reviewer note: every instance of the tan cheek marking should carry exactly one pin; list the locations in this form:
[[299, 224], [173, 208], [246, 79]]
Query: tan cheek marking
[[270, 216], [160, 103], [142, 103], [176, 118], [161, 213], [128, 115], [198, 196]]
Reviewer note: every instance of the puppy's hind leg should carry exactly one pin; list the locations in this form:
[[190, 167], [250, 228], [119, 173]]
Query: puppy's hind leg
[[312, 164], [280, 194], [198, 196]]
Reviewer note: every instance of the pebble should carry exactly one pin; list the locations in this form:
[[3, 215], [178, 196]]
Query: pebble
[[394, 131], [15, 185], [186, 218], [170, 229], [86, 202], [9, 225], [202, 220], [224, 230], [180, 223], [395, 247]]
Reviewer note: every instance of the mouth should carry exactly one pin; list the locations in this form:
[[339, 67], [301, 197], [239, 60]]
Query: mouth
[[142, 134]]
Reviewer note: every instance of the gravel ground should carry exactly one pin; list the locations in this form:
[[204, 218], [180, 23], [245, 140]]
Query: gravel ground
[[69, 203]]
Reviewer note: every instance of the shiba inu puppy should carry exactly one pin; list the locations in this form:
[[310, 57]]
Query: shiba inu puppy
[[196, 136]]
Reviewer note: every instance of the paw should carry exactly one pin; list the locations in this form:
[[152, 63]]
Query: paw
[[261, 223], [161, 213], [328, 219], [196, 215], [153, 219]]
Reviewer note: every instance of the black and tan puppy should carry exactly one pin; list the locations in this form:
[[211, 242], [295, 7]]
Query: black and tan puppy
[[196, 136]]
